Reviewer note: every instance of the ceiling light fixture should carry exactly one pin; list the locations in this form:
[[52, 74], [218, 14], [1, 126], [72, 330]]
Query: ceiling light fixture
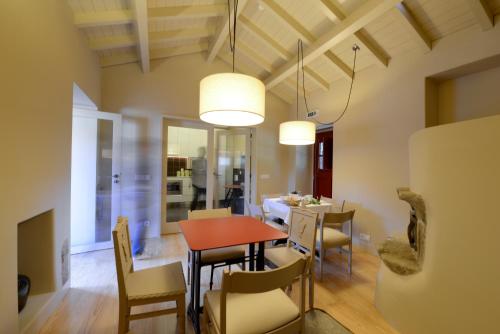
[[298, 132], [232, 99]]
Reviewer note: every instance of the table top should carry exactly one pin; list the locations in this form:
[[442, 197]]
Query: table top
[[211, 233]]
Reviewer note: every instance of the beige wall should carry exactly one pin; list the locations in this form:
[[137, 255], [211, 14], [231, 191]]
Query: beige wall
[[456, 169], [387, 106], [172, 89], [467, 97], [42, 55]]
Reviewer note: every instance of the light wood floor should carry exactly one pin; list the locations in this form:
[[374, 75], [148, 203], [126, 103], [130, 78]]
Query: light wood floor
[[91, 305]]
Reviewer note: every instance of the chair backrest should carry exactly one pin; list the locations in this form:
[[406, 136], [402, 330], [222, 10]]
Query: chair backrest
[[209, 213], [337, 219], [255, 211], [263, 281], [123, 254], [337, 205], [302, 229]]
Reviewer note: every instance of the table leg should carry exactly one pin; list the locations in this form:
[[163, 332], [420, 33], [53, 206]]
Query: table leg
[[251, 253], [194, 304], [260, 256]]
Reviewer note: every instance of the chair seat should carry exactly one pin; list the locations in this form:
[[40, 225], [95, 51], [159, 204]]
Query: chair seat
[[332, 238], [157, 282], [281, 256], [222, 254], [253, 313]]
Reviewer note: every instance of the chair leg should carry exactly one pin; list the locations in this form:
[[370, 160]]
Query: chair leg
[[122, 318], [243, 265], [321, 259], [350, 258], [205, 320], [181, 314], [212, 268], [311, 290]]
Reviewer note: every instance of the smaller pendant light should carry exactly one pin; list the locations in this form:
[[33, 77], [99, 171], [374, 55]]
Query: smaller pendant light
[[232, 99], [298, 132]]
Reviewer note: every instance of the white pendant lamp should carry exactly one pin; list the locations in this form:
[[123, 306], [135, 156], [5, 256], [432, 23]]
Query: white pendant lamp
[[232, 99], [298, 132]]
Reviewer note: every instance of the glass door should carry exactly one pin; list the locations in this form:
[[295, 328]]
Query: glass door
[[95, 179], [231, 169]]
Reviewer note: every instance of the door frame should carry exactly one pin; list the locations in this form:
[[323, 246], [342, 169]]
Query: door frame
[[173, 227], [116, 170], [248, 133]]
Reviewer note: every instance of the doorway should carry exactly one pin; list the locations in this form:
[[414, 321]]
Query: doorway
[[95, 179], [204, 167], [323, 162]]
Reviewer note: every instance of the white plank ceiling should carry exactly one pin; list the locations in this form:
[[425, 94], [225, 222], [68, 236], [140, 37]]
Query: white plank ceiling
[[268, 31]]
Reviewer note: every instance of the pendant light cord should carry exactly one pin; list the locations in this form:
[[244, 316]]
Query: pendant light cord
[[300, 60], [232, 33]]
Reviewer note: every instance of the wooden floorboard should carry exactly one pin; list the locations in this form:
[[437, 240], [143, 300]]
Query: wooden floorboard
[[91, 304]]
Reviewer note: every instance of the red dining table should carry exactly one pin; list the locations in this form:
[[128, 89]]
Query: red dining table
[[212, 233]]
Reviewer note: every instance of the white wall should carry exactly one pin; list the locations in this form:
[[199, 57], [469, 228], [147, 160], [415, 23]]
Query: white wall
[[172, 89], [371, 142], [42, 55]]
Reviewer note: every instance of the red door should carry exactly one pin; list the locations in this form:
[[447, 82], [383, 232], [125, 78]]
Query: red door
[[323, 158]]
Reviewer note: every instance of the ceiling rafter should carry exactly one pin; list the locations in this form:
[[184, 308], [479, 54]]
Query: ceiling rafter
[[333, 11], [262, 62], [365, 14], [183, 12], [414, 27], [155, 53], [104, 18], [112, 42], [282, 52], [178, 50], [141, 28], [180, 34], [483, 13], [244, 68], [223, 32], [307, 36]]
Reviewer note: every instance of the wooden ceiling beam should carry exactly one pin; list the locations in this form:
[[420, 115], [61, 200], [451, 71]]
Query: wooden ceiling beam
[[118, 59], [483, 13], [180, 34], [183, 12], [414, 27], [333, 11], [178, 50], [223, 31], [282, 52], [104, 18], [112, 42], [306, 35], [141, 28], [365, 14]]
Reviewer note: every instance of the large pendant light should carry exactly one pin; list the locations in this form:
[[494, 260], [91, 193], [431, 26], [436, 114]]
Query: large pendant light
[[232, 99], [298, 132]]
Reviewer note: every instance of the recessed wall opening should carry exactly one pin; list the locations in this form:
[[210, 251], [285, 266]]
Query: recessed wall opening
[[35, 259]]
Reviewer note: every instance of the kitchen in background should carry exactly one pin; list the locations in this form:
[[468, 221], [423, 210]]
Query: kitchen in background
[[186, 171]]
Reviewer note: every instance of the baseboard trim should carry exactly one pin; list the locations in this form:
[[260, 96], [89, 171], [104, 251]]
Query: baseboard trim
[[45, 311]]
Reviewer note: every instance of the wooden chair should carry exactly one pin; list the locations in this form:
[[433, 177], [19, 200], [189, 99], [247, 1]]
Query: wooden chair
[[330, 237], [216, 257], [148, 286], [253, 302], [337, 206], [301, 239]]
